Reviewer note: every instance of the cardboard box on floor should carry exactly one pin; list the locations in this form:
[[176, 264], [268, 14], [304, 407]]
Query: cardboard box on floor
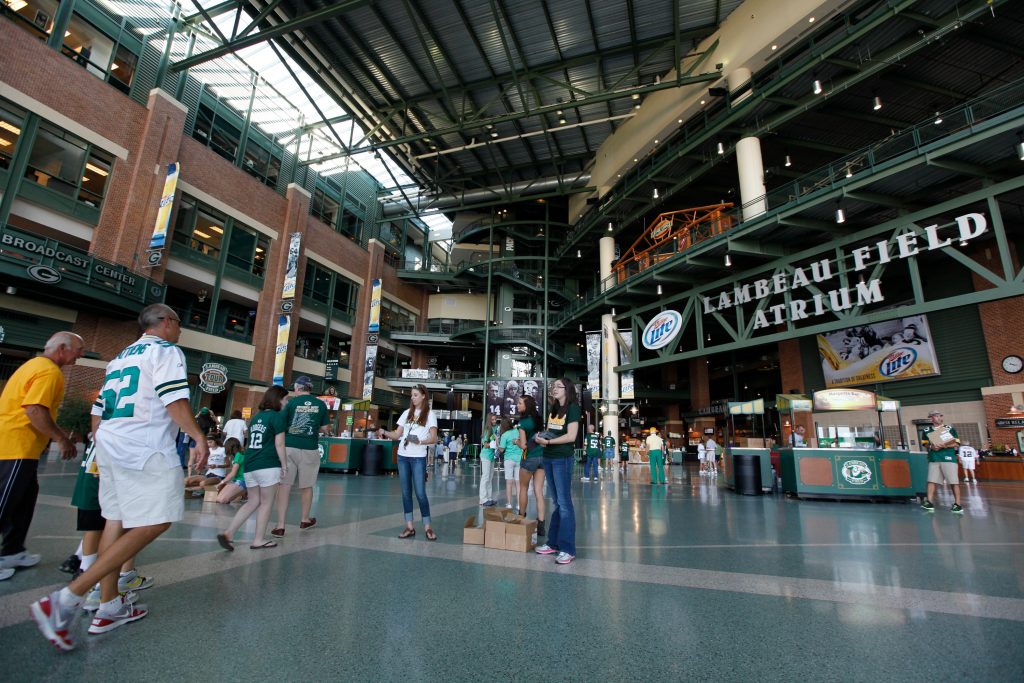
[[505, 530], [471, 533], [210, 494]]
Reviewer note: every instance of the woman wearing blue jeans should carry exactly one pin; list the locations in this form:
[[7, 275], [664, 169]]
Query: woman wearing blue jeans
[[417, 429], [558, 440]]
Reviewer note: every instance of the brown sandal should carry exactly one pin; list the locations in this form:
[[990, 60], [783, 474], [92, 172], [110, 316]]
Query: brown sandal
[[408, 533], [431, 536]]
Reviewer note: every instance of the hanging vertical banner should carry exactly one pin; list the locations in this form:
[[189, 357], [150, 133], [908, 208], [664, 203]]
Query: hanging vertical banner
[[368, 371], [292, 271], [594, 364], [284, 328], [375, 294], [163, 217], [625, 353]]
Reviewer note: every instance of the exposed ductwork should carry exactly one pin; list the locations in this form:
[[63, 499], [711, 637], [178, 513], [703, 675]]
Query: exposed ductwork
[[525, 188]]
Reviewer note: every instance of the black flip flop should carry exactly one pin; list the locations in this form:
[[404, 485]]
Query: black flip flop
[[225, 542]]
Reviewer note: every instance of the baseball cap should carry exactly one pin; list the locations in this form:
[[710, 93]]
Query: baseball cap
[[654, 430], [935, 412], [304, 381], [204, 411]]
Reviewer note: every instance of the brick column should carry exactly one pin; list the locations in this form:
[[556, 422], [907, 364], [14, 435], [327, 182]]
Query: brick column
[[1000, 324], [357, 364], [791, 370], [265, 330], [135, 187]]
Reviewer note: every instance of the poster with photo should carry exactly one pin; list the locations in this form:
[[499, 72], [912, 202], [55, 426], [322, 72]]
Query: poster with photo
[[880, 352], [503, 395]]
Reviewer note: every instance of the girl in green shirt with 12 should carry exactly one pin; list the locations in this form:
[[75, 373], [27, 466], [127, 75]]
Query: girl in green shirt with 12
[[265, 461]]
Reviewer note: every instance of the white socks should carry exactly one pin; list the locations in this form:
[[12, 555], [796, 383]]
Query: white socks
[[69, 599], [87, 561]]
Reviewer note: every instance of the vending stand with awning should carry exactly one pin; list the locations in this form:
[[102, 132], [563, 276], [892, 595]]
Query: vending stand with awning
[[854, 465], [754, 409]]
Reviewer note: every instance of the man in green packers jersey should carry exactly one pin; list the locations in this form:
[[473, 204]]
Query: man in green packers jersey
[[307, 417], [941, 441], [609, 448], [593, 445]]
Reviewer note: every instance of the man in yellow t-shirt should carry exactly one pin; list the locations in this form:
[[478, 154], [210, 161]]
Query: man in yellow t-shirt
[[28, 408]]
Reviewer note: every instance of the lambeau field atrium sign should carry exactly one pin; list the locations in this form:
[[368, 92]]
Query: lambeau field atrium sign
[[906, 245]]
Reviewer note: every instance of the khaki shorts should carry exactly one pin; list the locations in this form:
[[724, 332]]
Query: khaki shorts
[[145, 497], [303, 463], [943, 473]]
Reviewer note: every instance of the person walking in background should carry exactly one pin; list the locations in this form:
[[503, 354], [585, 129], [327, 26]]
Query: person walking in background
[[235, 428], [266, 461], [531, 468], [558, 440], [608, 454], [417, 429], [508, 446], [306, 418], [28, 410], [968, 458], [941, 441], [709, 461], [143, 403], [488, 444], [593, 446], [656, 457]]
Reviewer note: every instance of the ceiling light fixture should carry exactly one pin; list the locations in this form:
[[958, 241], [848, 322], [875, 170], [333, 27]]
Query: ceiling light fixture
[[849, 171], [609, 226], [789, 162], [721, 148], [817, 87], [561, 120], [1020, 145], [581, 327], [655, 195], [774, 47], [439, 289], [636, 106], [878, 103], [494, 133], [659, 290], [938, 118], [840, 215], [579, 254], [613, 310], [728, 261], [636, 96], [810, 20]]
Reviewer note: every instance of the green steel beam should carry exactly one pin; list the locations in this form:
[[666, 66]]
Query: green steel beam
[[318, 16]]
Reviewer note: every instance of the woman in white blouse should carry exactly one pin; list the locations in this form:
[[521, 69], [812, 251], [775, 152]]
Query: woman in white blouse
[[417, 429]]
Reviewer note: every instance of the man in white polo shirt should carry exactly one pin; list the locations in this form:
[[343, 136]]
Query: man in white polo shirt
[[142, 404]]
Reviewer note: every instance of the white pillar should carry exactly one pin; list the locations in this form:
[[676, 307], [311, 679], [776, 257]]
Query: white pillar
[[751, 172], [609, 378], [736, 79], [606, 251]]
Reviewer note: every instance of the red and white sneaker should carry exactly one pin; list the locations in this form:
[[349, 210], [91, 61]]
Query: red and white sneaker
[[55, 622], [104, 622]]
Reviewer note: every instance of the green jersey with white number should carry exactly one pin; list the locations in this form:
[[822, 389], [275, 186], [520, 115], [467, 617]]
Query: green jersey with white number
[[140, 383], [593, 444], [261, 453]]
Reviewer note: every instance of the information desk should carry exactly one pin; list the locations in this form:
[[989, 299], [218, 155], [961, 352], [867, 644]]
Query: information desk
[[346, 454], [729, 470], [853, 472], [998, 468]]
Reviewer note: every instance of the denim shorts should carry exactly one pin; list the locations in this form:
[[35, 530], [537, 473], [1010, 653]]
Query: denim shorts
[[532, 464]]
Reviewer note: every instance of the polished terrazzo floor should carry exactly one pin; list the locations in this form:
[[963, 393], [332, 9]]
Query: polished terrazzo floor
[[691, 582]]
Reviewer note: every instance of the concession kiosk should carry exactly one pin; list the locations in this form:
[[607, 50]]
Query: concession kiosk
[[755, 454], [848, 462]]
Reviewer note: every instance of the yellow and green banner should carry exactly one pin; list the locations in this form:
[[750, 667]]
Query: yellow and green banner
[[281, 350], [163, 217], [375, 306]]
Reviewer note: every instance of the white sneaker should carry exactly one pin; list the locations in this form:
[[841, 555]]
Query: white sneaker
[[564, 558], [92, 601], [22, 559], [104, 621], [508, 506], [584, 479], [6, 573]]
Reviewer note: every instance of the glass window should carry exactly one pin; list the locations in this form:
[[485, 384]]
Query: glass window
[[33, 16], [216, 133], [204, 124], [208, 234], [241, 247], [324, 207], [88, 46], [351, 224], [94, 181], [237, 320], [345, 293], [57, 161], [184, 220], [10, 132], [259, 261], [193, 311], [317, 284], [122, 69]]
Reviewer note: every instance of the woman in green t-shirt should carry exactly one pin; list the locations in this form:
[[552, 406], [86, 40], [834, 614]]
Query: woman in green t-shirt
[[558, 441], [532, 466], [508, 446], [265, 462], [488, 442]]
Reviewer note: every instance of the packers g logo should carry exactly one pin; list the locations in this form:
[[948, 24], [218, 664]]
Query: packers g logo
[[856, 472]]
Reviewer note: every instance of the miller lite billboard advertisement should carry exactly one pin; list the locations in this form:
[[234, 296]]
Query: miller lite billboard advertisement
[[881, 352], [661, 330]]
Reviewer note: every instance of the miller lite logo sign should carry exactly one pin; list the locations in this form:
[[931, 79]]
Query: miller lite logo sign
[[662, 329], [897, 362]]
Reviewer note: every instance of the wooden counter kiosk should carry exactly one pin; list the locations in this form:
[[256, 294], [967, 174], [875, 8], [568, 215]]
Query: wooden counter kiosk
[[850, 468]]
